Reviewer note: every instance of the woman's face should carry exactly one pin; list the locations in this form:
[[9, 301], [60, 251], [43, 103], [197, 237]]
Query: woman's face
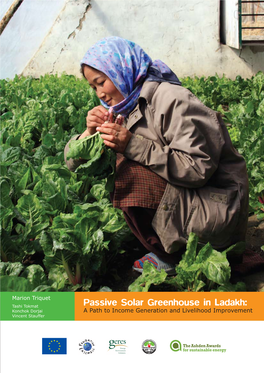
[[103, 86]]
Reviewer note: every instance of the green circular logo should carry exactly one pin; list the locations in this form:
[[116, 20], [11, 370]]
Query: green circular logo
[[175, 345], [149, 346]]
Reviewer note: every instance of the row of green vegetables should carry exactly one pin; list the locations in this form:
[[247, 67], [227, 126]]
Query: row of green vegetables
[[62, 221]]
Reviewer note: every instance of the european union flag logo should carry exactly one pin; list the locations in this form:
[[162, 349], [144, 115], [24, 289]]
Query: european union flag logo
[[54, 346]]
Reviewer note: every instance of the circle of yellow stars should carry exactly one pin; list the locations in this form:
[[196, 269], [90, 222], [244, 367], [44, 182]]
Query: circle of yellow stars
[[53, 349]]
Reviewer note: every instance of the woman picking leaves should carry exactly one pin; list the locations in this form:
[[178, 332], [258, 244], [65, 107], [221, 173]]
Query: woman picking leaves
[[177, 171]]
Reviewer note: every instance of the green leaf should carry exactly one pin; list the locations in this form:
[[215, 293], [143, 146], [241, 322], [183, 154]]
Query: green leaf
[[31, 209], [250, 107], [9, 247], [6, 191], [198, 285], [150, 276], [86, 148], [24, 181], [35, 275], [15, 284], [99, 192], [235, 250], [57, 278], [239, 286], [11, 269], [216, 268], [101, 160], [10, 155], [190, 253], [6, 205]]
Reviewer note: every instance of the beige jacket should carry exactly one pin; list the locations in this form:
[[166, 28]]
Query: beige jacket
[[186, 143]]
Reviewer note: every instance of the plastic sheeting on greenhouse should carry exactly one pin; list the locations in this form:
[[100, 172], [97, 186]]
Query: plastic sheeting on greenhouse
[[25, 33]]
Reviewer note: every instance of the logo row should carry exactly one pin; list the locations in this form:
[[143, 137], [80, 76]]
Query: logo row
[[58, 346]]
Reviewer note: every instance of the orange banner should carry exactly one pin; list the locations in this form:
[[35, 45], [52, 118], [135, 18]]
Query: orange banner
[[117, 306]]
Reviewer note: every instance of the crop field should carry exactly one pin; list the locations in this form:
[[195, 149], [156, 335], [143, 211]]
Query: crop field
[[59, 230]]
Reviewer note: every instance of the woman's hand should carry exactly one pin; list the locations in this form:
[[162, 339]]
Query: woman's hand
[[115, 136], [95, 117]]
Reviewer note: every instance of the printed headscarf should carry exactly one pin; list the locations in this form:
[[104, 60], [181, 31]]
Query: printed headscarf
[[128, 67]]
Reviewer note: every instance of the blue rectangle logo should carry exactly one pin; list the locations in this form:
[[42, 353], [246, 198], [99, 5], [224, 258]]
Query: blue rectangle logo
[[54, 346]]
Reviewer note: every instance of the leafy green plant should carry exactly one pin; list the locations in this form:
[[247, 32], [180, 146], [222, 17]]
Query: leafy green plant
[[199, 270], [101, 160], [46, 210]]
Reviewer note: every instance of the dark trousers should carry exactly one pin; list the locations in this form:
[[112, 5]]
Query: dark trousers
[[139, 221]]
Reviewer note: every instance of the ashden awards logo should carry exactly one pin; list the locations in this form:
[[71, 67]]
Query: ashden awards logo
[[86, 346], [54, 346], [175, 345], [149, 346], [119, 346]]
